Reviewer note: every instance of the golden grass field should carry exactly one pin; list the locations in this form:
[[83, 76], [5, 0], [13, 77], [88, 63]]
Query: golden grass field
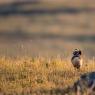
[[25, 31], [39, 75]]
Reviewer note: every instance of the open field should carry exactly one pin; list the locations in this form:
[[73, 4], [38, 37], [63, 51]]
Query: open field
[[47, 34], [39, 75], [47, 28], [67, 3], [37, 38]]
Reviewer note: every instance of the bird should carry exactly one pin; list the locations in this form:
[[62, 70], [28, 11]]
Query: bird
[[76, 59]]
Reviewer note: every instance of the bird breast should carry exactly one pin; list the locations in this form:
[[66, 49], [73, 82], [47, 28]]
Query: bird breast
[[77, 61]]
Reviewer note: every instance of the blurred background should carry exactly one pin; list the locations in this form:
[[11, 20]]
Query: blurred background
[[47, 27]]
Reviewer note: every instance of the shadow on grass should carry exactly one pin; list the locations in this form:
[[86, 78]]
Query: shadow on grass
[[49, 92]]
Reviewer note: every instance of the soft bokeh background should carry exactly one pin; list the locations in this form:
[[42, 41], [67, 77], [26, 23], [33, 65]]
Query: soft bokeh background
[[47, 27]]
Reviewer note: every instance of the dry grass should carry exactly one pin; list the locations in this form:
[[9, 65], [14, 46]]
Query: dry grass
[[57, 3], [41, 28], [64, 24], [38, 76], [49, 34]]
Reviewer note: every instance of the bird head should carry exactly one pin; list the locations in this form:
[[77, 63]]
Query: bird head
[[77, 52]]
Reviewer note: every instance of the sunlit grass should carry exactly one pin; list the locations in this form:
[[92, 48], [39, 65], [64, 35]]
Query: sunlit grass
[[38, 75]]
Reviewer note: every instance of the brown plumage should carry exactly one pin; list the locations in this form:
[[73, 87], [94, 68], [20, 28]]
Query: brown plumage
[[76, 59]]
